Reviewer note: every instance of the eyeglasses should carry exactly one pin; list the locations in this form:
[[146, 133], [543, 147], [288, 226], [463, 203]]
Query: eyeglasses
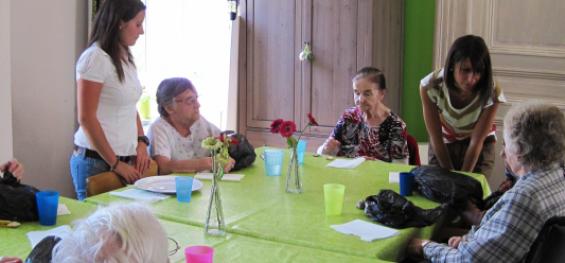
[[176, 246], [188, 101]]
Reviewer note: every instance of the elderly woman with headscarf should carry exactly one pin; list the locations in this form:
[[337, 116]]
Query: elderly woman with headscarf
[[534, 136], [176, 136]]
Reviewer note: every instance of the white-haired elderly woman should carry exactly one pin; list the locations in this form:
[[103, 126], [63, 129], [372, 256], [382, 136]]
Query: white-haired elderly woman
[[118, 233], [534, 136], [176, 136]]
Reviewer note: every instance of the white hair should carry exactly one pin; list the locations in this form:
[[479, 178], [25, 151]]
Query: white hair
[[535, 132], [117, 233]]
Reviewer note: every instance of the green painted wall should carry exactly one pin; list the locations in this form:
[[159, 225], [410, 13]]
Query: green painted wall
[[419, 20]]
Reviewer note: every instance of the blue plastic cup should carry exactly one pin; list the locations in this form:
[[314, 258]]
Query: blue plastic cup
[[406, 183], [183, 185], [300, 150], [273, 162], [47, 204]]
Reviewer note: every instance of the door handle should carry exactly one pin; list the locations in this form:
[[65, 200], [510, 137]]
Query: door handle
[[306, 53]]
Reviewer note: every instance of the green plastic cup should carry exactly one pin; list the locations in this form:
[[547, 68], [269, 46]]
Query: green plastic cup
[[333, 198]]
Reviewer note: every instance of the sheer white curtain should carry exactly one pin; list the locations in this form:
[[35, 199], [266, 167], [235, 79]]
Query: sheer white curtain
[[187, 38]]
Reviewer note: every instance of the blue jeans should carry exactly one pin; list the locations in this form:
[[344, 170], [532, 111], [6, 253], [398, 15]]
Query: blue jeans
[[83, 167]]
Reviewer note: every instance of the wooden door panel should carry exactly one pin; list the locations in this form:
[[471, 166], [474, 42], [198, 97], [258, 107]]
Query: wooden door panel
[[271, 50], [334, 42]]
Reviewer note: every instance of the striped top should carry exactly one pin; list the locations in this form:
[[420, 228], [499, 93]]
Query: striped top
[[457, 124]]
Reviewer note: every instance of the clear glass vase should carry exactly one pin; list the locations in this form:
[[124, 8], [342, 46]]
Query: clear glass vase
[[293, 180], [215, 223]]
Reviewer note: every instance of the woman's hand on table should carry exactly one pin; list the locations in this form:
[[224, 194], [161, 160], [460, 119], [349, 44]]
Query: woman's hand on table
[[229, 165], [331, 146]]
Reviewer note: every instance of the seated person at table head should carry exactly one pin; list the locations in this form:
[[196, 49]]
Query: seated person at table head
[[534, 146], [370, 128], [117, 233], [459, 105], [176, 136]]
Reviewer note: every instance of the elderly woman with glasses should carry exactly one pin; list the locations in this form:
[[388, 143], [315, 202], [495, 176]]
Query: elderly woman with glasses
[[534, 136], [176, 136]]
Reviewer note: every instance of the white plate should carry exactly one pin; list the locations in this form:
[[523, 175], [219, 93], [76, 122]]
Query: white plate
[[163, 184]]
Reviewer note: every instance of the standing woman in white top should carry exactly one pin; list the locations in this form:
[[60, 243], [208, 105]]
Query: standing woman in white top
[[459, 104], [110, 136]]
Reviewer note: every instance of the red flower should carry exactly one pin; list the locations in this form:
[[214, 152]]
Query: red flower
[[287, 128], [276, 125], [234, 140], [311, 120], [221, 137]]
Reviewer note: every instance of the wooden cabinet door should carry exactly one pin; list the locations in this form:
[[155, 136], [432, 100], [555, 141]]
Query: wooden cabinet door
[[273, 70], [337, 31]]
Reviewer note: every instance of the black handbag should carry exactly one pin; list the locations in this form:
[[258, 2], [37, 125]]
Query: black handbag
[[447, 187], [242, 152], [394, 210], [17, 201]]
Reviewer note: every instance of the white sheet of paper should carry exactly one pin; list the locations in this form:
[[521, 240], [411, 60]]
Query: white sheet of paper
[[227, 177], [62, 209], [140, 195], [346, 163], [365, 230], [393, 177], [36, 236]]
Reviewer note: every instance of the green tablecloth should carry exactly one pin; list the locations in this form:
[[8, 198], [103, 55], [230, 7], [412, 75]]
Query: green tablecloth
[[232, 248], [14, 242], [236, 248], [258, 207]]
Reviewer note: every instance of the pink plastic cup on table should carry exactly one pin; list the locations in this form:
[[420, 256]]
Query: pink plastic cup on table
[[199, 254]]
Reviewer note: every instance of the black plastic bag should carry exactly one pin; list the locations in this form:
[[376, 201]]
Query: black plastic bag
[[444, 186], [17, 201], [243, 152], [392, 209], [43, 251]]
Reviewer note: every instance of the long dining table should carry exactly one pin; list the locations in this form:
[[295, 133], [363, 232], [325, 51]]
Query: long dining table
[[263, 222]]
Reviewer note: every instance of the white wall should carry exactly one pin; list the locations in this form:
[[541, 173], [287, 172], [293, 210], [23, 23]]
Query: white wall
[[46, 38], [5, 84]]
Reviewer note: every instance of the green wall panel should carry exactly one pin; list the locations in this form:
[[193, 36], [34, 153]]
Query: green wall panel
[[419, 21]]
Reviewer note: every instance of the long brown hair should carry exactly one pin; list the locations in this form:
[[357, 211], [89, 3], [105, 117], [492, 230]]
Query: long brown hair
[[475, 49], [106, 30]]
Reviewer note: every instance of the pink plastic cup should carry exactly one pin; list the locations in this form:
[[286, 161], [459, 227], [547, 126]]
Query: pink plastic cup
[[199, 254]]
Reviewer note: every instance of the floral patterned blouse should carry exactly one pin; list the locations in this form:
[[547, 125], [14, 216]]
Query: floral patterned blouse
[[385, 142]]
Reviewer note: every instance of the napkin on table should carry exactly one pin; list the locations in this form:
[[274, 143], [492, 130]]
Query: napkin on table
[[36, 236], [140, 195], [62, 209], [227, 177], [346, 163], [365, 230], [393, 177]]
